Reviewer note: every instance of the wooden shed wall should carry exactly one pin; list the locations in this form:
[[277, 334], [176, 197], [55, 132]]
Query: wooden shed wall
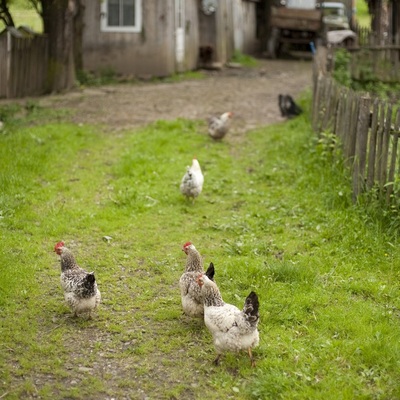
[[251, 44], [150, 52], [232, 27]]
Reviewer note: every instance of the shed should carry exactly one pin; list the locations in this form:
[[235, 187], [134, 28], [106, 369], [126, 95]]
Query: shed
[[162, 37]]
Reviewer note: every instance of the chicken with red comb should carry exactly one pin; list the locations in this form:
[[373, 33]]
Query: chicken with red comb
[[218, 127], [191, 297], [80, 288]]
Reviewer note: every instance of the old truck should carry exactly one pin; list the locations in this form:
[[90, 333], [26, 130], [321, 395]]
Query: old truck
[[303, 24], [294, 24]]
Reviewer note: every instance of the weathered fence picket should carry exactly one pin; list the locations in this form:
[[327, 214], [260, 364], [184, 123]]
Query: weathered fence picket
[[366, 132]]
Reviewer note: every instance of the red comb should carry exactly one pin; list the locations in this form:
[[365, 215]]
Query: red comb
[[58, 245], [187, 244]]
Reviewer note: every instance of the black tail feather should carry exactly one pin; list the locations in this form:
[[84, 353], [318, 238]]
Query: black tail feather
[[251, 307], [89, 285], [210, 272]]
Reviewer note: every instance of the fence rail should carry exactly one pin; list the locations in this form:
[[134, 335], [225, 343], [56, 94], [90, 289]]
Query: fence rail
[[376, 62], [23, 65], [368, 129]]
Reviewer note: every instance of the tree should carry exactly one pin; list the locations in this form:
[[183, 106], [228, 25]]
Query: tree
[[380, 18], [5, 14], [58, 23]]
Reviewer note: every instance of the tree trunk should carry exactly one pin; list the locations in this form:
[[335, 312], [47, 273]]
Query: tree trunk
[[379, 19], [78, 35], [58, 22]]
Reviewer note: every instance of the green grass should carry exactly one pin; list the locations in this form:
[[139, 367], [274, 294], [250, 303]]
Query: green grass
[[362, 15], [275, 216], [244, 59]]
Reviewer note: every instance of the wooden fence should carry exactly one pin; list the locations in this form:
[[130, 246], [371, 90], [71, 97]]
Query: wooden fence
[[368, 130], [376, 63], [366, 37], [23, 65]]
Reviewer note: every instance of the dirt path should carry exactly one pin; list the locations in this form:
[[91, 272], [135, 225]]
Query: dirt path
[[251, 94]]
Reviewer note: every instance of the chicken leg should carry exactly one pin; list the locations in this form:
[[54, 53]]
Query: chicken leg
[[253, 362], [216, 361]]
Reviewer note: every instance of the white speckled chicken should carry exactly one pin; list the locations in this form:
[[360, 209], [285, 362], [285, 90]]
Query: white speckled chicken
[[192, 181], [232, 329], [192, 300], [218, 127], [80, 287]]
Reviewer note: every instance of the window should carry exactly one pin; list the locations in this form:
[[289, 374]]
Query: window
[[121, 15]]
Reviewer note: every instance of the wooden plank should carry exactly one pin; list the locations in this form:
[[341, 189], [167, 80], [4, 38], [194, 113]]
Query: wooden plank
[[360, 150], [333, 111], [338, 129], [353, 116], [347, 126], [28, 67], [3, 66], [327, 100], [395, 138], [319, 103], [297, 19], [372, 144], [379, 141], [385, 147]]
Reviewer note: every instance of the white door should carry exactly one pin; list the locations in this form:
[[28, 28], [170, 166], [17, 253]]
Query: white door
[[179, 33], [238, 24]]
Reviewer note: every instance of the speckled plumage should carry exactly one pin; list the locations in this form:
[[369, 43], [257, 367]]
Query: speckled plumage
[[218, 127], [193, 180], [80, 287], [232, 329], [192, 300]]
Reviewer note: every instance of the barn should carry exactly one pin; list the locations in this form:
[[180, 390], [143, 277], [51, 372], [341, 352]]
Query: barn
[[161, 37]]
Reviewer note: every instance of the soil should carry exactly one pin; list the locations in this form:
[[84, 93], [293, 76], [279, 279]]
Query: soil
[[250, 93]]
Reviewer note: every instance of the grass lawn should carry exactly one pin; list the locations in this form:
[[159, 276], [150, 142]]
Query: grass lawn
[[275, 216]]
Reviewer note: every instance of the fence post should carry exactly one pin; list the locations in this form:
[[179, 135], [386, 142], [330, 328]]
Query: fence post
[[395, 135], [373, 144], [361, 145], [351, 116], [385, 145], [8, 68]]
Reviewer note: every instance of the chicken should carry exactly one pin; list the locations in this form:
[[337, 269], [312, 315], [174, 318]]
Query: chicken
[[80, 287], [218, 127], [288, 107], [192, 181], [232, 329], [192, 300]]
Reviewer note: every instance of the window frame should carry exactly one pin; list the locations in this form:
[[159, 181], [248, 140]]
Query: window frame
[[137, 27]]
